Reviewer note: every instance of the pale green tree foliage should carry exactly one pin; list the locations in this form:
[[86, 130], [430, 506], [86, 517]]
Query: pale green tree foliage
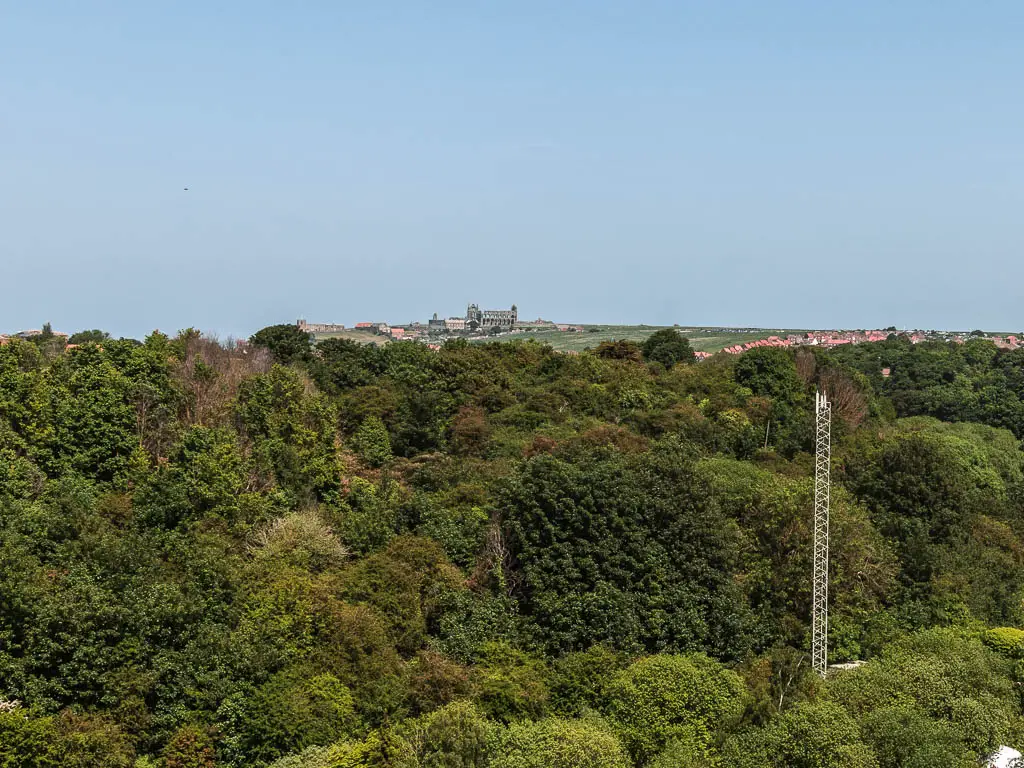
[[663, 698], [818, 735], [454, 736], [555, 743], [372, 442]]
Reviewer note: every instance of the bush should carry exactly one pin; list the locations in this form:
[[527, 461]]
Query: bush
[[372, 442], [510, 684], [662, 698], [667, 347], [455, 736], [295, 709], [190, 747], [578, 680], [555, 743], [1008, 641], [821, 735]]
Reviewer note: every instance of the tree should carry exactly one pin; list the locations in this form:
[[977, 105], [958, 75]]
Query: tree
[[286, 343], [667, 347], [372, 442], [925, 488], [622, 550], [769, 371], [666, 698], [190, 747], [619, 350], [295, 709], [292, 433], [510, 684], [343, 364], [94, 336], [454, 736], [554, 743]]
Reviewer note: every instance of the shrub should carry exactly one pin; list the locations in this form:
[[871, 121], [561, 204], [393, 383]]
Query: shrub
[[1008, 641], [661, 698], [455, 736], [510, 683], [372, 442], [556, 743]]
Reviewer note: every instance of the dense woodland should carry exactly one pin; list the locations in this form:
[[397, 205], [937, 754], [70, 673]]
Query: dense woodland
[[332, 556]]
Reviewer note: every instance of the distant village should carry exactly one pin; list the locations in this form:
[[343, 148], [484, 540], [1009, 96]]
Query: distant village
[[839, 338], [35, 333], [482, 324], [476, 323]]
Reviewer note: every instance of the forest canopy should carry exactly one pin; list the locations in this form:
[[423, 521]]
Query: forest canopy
[[300, 555]]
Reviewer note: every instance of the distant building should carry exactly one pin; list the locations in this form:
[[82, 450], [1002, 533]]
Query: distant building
[[366, 326], [436, 324], [305, 327], [534, 324], [492, 318], [35, 333], [455, 324]]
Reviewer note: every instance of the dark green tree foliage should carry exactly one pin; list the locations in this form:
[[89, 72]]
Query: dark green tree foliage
[[769, 371], [667, 347], [974, 382], [937, 492], [811, 735], [297, 708], [619, 350], [493, 554], [285, 342], [94, 421], [94, 336], [342, 364], [578, 680], [292, 434], [613, 549]]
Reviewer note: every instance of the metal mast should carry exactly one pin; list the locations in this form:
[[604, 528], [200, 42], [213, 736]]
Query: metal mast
[[822, 465]]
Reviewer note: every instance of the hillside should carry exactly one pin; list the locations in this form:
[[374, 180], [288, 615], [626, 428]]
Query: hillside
[[498, 556], [701, 339]]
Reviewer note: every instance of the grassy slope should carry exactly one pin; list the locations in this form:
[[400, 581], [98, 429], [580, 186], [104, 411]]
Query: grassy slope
[[702, 339], [363, 337]]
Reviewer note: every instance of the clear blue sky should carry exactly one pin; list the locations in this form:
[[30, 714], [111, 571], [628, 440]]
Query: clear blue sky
[[799, 164]]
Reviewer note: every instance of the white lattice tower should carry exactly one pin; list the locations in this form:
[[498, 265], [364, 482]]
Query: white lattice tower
[[822, 465]]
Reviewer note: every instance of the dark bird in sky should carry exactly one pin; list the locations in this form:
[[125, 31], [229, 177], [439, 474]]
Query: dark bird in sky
[[186, 189]]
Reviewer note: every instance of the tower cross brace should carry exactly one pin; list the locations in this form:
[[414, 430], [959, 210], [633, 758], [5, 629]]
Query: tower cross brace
[[822, 467]]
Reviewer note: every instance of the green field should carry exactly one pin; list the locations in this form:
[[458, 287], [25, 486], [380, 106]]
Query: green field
[[363, 337], [701, 339], [706, 339]]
